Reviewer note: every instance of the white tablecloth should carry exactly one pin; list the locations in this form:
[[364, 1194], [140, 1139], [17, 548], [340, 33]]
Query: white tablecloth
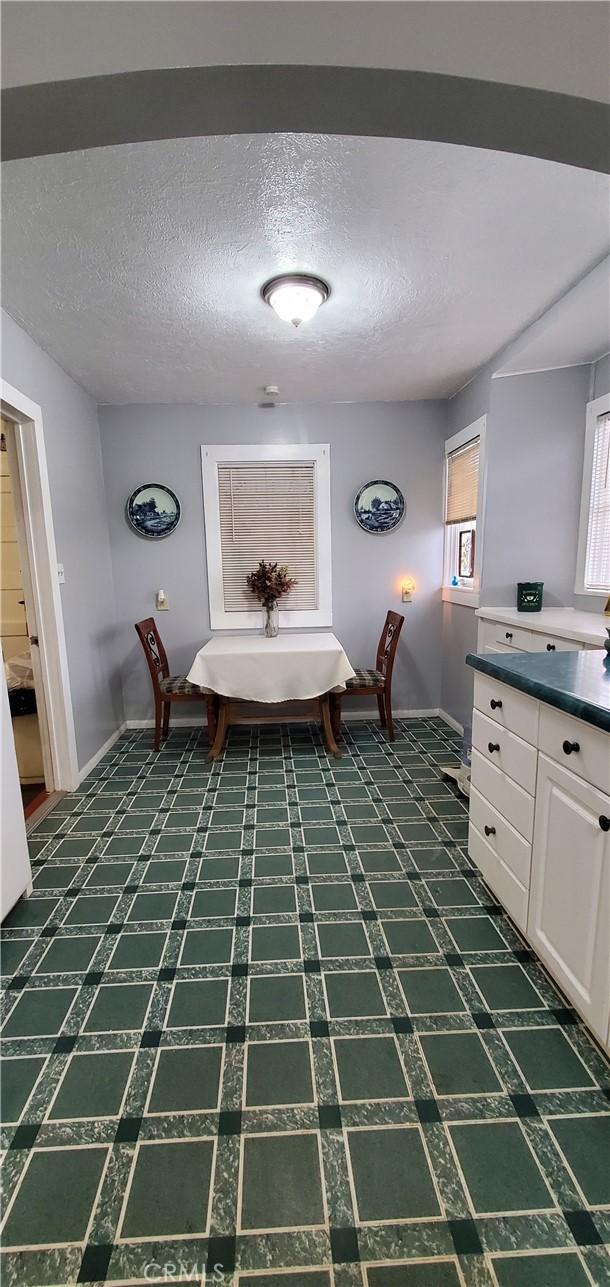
[[287, 668]]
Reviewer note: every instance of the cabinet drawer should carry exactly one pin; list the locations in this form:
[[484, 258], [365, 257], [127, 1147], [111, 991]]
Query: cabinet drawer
[[515, 804], [494, 634], [509, 708], [591, 761], [511, 636], [510, 848], [502, 881], [552, 643], [510, 753]]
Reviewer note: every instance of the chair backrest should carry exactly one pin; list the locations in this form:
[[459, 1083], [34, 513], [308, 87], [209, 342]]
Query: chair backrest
[[155, 653], [388, 643]]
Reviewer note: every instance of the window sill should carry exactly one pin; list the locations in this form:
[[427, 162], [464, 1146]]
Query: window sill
[[457, 594]]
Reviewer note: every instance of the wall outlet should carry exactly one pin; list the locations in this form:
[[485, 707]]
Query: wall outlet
[[61, 576], [162, 601]]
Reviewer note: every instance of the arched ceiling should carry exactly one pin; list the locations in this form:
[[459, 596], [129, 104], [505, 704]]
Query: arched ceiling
[[530, 78], [554, 45]]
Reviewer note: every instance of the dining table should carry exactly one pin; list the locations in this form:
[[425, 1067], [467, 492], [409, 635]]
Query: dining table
[[289, 671]]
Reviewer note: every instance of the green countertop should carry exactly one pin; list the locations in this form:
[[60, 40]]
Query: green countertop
[[575, 682]]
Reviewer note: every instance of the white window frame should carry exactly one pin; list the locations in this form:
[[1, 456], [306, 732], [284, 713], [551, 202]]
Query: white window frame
[[211, 457], [467, 595], [599, 407]]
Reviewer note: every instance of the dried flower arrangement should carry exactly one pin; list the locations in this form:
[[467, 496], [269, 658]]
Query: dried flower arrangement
[[270, 582]]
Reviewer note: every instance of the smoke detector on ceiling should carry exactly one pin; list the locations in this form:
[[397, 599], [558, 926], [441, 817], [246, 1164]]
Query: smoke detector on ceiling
[[271, 393]]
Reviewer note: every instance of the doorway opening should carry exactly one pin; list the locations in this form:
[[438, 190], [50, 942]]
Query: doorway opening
[[31, 623], [19, 640]]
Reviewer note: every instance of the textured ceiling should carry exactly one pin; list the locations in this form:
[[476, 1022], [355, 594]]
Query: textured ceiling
[[576, 331], [139, 267]]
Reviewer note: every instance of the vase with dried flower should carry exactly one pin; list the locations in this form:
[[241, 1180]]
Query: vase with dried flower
[[269, 583]]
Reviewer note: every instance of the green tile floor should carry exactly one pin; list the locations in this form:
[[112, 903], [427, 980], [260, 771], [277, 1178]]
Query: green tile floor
[[263, 1021]]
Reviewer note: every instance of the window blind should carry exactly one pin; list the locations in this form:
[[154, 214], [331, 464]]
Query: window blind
[[267, 511], [462, 483], [597, 559]]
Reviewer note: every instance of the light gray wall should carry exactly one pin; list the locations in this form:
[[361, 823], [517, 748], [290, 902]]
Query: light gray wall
[[81, 533], [471, 402], [535, 445], [401, 441], [601, 376], [460, 624], [459, 638], [598, 386]]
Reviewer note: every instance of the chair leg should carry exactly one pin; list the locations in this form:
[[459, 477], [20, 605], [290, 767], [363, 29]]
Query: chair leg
[[387, 701], [381, 705], [166, 711], [158, 721], [212, 711]]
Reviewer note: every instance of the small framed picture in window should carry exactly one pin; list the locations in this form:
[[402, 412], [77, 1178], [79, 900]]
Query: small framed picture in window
[[466, 553]]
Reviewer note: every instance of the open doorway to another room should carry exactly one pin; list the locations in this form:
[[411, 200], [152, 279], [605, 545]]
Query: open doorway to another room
[[18, 633]]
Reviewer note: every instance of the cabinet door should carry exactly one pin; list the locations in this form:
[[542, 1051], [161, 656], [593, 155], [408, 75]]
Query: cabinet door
[[569, 907]]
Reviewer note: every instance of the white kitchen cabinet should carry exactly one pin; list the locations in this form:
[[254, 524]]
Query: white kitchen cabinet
[[540, 825], [569, 901], [551, 630]]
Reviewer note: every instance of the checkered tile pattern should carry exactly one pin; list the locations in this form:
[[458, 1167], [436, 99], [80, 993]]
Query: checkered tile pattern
[[263, 1016]]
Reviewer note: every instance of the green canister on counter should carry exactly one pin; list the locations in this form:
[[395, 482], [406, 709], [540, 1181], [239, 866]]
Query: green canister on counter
[[529, 596]]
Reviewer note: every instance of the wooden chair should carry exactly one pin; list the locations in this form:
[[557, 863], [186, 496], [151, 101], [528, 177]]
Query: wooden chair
[[378, 682], [169, 688]]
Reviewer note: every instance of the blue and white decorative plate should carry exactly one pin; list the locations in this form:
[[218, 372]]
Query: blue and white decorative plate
[[379, 506], [153, 511]]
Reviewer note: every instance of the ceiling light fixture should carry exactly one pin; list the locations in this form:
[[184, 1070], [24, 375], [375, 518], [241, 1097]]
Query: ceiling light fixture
[[295, 297]]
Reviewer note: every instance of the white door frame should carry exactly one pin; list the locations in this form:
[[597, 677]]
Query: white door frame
[[46, 600], [33, 626]]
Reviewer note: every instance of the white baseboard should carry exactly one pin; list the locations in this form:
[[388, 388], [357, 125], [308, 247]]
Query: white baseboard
[[183, 721], [95, 759], [371, 713], [187, 721], [459, 728]]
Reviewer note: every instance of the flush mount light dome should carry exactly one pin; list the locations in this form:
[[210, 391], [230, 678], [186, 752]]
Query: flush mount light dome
[[295, 297]]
